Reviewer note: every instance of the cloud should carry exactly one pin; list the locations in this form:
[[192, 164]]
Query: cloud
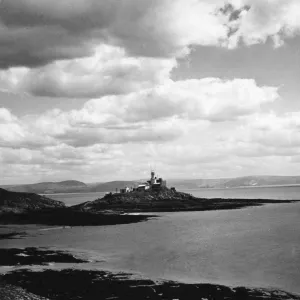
[[258, 144], [161, 114], [6, 116], [35, 33], [278, 131], [275, 19], [89, 49], [210, 99], [108, 71]]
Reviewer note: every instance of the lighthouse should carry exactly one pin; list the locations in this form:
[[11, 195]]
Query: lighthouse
[[152, 178]]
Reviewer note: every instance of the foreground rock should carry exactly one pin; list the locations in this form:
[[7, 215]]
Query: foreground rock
[[15, 202], [165, 199], [35, 256], [89, 285], [12, 292]]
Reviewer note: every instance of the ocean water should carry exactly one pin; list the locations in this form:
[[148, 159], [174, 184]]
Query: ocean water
[[75, 198], [254, 246], [273, 192], [277, 192]]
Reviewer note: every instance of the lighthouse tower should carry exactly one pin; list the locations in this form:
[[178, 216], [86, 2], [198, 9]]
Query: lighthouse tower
[[152, 178]]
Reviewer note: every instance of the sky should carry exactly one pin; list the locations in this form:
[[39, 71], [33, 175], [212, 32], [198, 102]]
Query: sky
[[100, 90]]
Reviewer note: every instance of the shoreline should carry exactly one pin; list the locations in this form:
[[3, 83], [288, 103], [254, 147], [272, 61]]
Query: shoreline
[[91, 284], [82, 282]]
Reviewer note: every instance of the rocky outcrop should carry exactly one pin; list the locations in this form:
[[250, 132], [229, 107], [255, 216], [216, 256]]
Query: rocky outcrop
[[15, 202], [163, 199]]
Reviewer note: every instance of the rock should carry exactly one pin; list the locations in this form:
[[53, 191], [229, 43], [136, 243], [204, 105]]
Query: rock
[[164, 199], [25, 202]]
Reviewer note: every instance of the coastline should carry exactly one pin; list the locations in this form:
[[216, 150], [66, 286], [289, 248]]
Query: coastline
[[91, 283], [81, 283], [88, 284]]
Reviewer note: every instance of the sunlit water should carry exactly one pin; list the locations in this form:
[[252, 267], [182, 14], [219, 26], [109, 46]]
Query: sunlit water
[[255, 246]]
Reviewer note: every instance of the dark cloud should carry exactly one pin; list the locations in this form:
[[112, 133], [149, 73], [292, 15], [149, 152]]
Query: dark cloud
[[73, 15], [84, 137], [35, 32], [38, 46], [233, 15]]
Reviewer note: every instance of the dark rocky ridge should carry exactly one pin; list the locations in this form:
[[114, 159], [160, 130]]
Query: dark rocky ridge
[[165, 199], [25, 202], [70, 217]]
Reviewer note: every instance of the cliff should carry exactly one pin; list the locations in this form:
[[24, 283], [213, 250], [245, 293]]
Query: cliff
[[25, 202]]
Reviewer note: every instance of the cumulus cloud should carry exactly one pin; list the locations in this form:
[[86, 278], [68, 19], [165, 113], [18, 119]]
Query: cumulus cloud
[[88, 49], [37, 32], [158, 114], [16, 134], [210, 99], [6, 116], [259, 20], [108, 71]]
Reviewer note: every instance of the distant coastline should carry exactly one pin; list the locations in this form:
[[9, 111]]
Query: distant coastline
[[77, 187], [245, 186]]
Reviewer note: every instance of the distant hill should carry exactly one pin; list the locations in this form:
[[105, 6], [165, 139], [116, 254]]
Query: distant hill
[[73, 186], [111, 186], [68, 186], [247, 181], [25, 202]]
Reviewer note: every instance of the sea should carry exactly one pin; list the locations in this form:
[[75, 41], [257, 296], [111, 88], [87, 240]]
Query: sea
[[254, 246]]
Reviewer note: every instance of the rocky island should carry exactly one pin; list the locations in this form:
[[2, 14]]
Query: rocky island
[[155, 196]]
